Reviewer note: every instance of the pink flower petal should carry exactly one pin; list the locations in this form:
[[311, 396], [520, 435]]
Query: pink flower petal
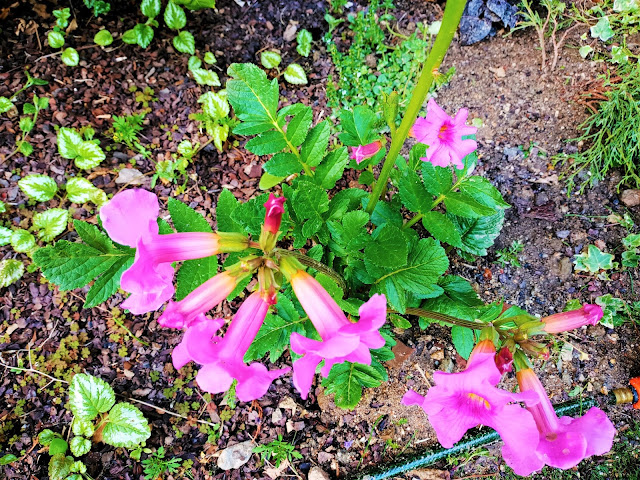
[[412, 398], [130, 215], [596, 427], [304, 370]]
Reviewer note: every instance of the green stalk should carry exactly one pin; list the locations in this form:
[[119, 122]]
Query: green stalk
[[442, 317], [452, 14]]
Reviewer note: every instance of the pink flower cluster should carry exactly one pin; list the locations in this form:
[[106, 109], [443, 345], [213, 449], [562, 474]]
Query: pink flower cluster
[[533, 437], [130, 218]]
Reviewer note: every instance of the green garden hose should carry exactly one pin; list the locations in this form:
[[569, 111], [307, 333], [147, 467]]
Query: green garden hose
[[468, 442]]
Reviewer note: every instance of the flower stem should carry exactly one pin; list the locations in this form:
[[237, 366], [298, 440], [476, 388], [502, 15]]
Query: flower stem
[[452, 14], [442, 317], [319, 266]]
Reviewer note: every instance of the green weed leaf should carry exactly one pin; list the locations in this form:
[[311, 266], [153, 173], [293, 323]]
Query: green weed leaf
[[89, 396], [346, 381], [70, 57], [294, 74], [80, 446], [594, 260], [103, 38], [51, 223], [39, 187], [184, 42], [270, 59], [126, 426], [304, 40], [10, 271]]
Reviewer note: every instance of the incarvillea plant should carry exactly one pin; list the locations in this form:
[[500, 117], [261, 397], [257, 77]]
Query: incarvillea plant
[[96, 418], [307, 262]]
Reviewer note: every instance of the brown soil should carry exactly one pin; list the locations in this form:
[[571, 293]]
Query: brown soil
[[498, 80]]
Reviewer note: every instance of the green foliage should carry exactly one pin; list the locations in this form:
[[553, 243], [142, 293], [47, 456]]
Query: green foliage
[[155, 465], [509, 256], [278, 450], [103, 38], [73, 265], [97, 416], [86, 154], [370, 67], [610, 135], [346, 381], [99, 7], [270, 59], [10, 271], [594, 261], [214, 118], [304, 40], [631, 255]]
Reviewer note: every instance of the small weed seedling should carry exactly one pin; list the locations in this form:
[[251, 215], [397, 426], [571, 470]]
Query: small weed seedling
[[155, 465], [509, 256], [278, 450]]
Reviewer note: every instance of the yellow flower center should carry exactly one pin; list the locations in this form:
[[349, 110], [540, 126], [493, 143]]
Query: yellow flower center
[[480, 400]]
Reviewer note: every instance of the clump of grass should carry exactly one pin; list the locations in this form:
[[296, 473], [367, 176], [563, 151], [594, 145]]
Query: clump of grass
[[612, 135]]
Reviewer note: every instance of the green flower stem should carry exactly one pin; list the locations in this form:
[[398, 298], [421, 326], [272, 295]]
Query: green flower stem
[[312, 263], [417, 217], [442, 317], [452, 14]]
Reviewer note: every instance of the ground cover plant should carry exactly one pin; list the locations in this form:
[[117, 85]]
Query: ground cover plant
[[354, 240]]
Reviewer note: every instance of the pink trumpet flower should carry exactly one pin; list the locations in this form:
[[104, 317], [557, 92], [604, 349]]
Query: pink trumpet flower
[[565, 321], [273, 216], [130, 218], [563, 442], [204, 298], [463, 400], [362, 152], [342, 340], [222, 358], [443, 134]]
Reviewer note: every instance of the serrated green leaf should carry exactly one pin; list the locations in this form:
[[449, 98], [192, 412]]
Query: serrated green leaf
[[81, 190], [5, 236], [481, 190], [209, 58], [89, 396], [304, 40], [107, 284], [463, 205], [390, 248], [358, 126], [186, 219], [26, 124], [194, 273], [22, 241], [10, 271], [73, 265], [184, 42], [43, 102], [315, 144], [267, 143], [253, 97], [51, 223], [346, 381], [250, 215], [282, 164], [463, 340], [206, 77], [56, 39], [413, 193], [215, 105], [331, 169], [25, 148], [442, 228], [82, 427], [80, 446], [70, 57], [418, 278], [60, 467], [5, 104], [68, 141], [141, 34], [310, 203], [225, 206], [89, 155], [94, 237], [150, 8], [294, 74], [126, 426], [46, 436], [197, 4], [103, 38], [298, 127], [594, 260], [39, 187], [194, 63], [270, 59], [478, 234], [437, 180], [174, 16], [275, 333]]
